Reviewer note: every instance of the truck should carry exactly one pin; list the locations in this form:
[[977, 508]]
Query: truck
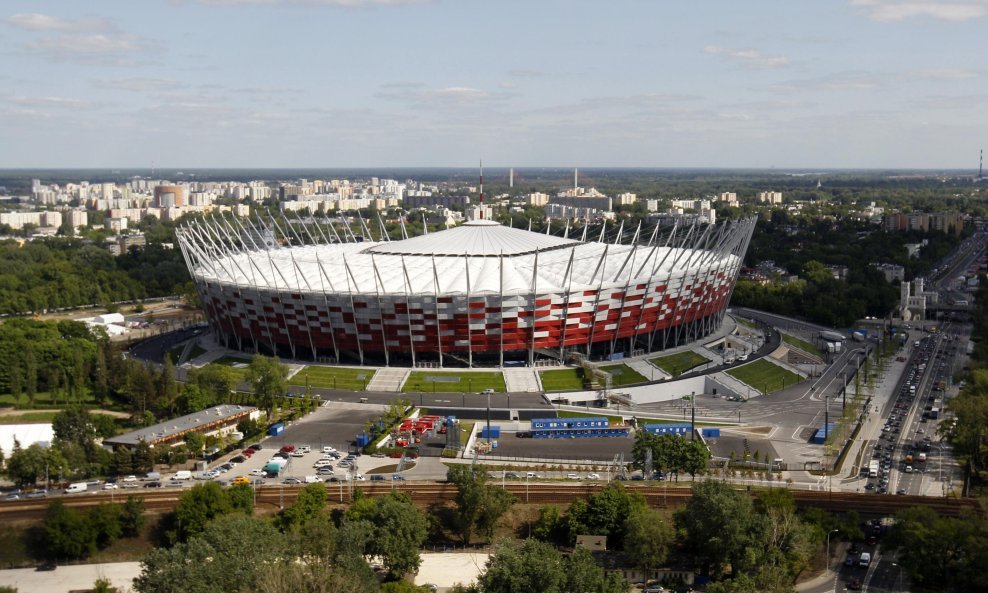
[[935, 413], [873, 469], [832, 336], [274, 467], [859, 336], [77, 487]]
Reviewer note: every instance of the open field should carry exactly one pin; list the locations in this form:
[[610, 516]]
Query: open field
[[333, 378], [622, 374], [28, 418], [679, 363], [765, 376], [801, 344], [562, 380], [43, 399], [447, 382]]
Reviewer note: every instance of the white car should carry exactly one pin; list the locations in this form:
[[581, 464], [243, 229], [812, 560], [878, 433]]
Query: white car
[[359, 477], [305, 449], [130, 479], [257, 472], [297, 453], [328, 450], [109, 486], [572, 476], [322, 463], [594, 476], [532, 475]]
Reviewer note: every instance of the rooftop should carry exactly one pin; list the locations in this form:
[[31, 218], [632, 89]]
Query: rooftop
[[474, 238], [177, 426]]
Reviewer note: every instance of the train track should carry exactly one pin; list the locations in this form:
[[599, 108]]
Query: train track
[[424, 494]]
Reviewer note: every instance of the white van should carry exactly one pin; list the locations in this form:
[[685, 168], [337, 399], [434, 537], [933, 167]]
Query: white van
[[77, 488], [183, 475], [865, 560], [312, 480]]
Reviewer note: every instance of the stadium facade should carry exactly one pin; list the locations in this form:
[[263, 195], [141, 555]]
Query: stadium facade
[[480, 294]]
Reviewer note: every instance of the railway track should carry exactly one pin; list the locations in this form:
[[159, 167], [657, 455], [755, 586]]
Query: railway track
[[274, 497]]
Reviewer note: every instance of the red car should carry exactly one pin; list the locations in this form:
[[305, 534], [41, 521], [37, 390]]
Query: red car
[[288, 448], [247, 452]]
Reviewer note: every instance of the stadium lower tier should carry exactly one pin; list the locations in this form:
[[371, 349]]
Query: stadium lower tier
[[457, 330]]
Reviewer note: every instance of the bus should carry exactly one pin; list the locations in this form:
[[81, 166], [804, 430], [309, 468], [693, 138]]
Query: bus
[[873, 469]]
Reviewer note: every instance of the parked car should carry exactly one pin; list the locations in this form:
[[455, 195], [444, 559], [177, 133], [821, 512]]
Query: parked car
[[572, 476], [593, 476], [291, 481], [287, 448], [398, 477], [238, 459], [377, 478], [257, 472]]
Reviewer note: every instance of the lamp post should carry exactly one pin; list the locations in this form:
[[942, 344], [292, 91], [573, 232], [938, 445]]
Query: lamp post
[[828, 547]]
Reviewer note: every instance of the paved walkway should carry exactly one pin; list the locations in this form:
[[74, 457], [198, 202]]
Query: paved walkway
[[71, 578], [647, 369], [522, 380], [388, 379]]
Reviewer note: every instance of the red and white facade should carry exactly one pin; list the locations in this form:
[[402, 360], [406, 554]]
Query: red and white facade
[[480, 294]]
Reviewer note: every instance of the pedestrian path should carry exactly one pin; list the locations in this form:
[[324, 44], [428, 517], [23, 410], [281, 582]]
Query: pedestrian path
[[739, 387], [522, 381], [648, 370], [388, 379]]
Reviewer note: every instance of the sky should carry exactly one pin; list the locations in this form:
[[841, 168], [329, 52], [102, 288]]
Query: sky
[[522, 83]]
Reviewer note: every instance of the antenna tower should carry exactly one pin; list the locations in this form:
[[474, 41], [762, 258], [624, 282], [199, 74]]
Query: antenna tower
[[981, 163], [481, 189]]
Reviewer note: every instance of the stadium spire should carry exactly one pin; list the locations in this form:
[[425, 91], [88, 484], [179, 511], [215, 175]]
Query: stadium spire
[[481, 189]]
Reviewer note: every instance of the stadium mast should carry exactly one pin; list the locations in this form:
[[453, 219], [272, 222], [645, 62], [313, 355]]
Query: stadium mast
[[981, 164], [481, 189]]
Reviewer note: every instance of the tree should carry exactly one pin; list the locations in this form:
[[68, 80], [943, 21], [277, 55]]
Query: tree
[[105, 522], [143, 457], [399, 532], [269, 379], [647, 539], [67, 533], [603, 513], [311, 502], [719, 527], [232, 552], [123, 461], [549, 526], [26, 466], [132, 517], [479, 505], [215, 381], [583, 574], [197, 507], [528, 566], [195, 442]]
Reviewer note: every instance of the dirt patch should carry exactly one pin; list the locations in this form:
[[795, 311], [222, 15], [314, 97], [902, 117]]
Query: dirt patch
[[389, 469]]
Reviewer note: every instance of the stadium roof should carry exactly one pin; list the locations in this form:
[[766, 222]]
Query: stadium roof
[[475, 238]]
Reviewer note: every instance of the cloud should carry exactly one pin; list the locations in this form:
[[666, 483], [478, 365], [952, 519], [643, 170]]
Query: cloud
[[56, 102], [749, 58], [90, 40], [899, 10], [136, 84], [42, 22]]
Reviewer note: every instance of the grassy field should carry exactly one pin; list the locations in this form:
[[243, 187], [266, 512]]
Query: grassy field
[[333, 378], [231, 361], [562, 380], [765, 376], [447, 382], [679, 363], [612, 420], [801, 344], [622, 374], [746, 322], [28, 418], [43, 399], [239, 372]]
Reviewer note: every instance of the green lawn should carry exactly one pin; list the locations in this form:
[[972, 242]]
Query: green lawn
[[622, 374], [28, 418], [679, 363], [44, 399], [333, 377], [239, 372], [612, 420], [746, 322], [801, 344], [447, 382], [765, 376], [562, 380], [231, 361]]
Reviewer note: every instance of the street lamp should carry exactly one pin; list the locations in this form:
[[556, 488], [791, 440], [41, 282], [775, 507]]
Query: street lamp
[[828, 547]]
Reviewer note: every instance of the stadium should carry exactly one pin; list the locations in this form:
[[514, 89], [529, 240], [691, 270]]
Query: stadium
[[480, 294]]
